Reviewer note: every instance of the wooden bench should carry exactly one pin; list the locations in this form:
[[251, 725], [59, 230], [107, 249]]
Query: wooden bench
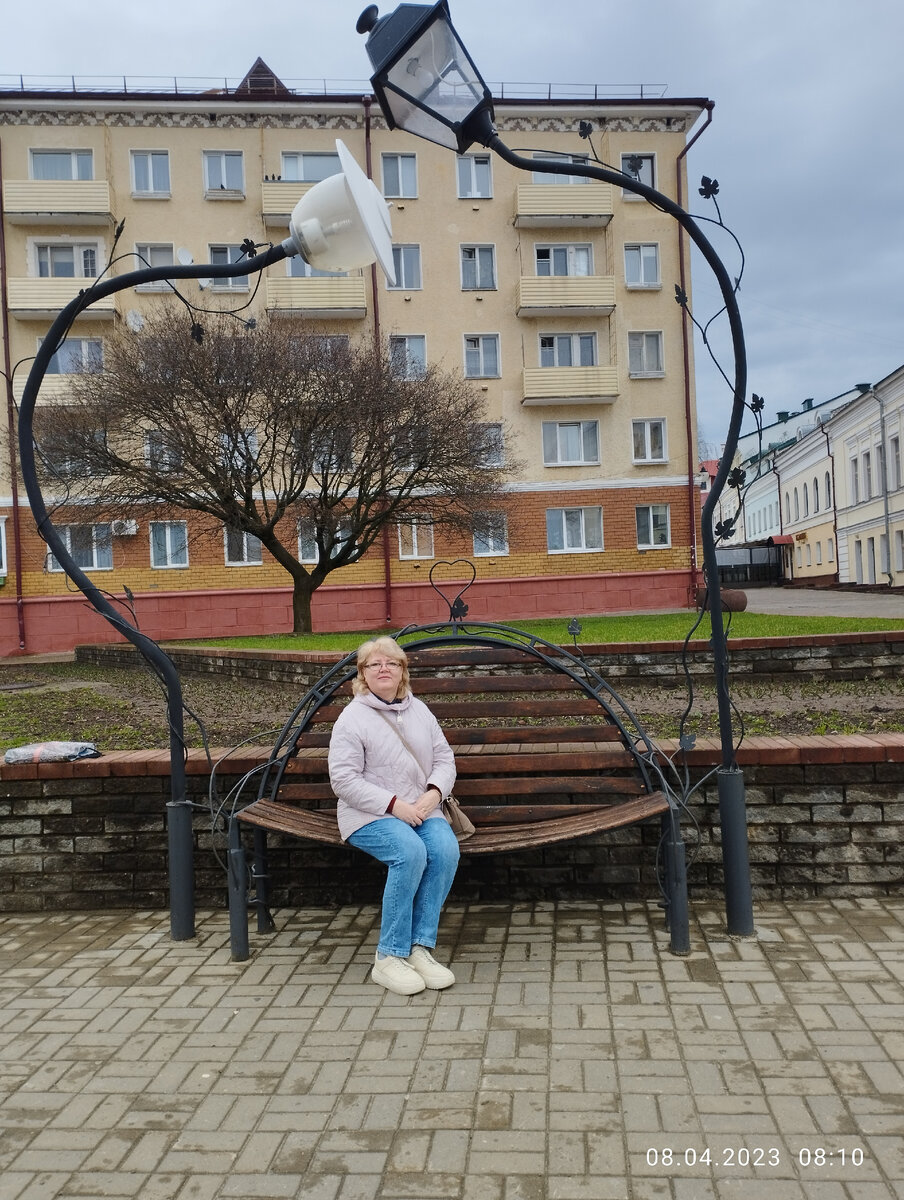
[[545, 752]]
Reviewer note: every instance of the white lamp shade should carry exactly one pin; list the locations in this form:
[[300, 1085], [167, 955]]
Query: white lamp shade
[[343, 222]]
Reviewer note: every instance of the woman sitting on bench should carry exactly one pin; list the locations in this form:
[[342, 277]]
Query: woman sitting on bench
[[391, 767]]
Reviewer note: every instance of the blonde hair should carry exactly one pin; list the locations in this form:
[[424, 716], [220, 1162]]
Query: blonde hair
[[391, 648]]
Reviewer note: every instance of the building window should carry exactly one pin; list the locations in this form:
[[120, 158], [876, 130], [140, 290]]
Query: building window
[[894, 446], [161, 453], [830, 549], [564, 260], [242, 549], [649, 440], [867, 476], [406, 261], [494, 445], [572, 530], [416, 539], [799, 556], [806, 501], [570, 443], [899, 549], [309, 168], [645, 355], [224, 171], [855, 481], [91, 546], [150, 173], [222, 256], [475, 180], [169, 544], [809, 555], [408, 356], [490, 534], [641, 167], [796, 505], [828, 492], [299, 269], [653, 526], [815, 495], [819, 554], [76, 355], [154, 254], [555, 176], [787, 507], [67, 260], [568, 350], [478, 268], [308, 552], [400, 175], [642, 265], [482, 356], [62, 164]]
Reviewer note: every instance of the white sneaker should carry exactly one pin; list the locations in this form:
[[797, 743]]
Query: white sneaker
[[433, 974], [397, 976]]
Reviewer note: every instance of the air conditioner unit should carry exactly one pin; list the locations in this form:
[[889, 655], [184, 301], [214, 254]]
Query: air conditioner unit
[[124, 528]]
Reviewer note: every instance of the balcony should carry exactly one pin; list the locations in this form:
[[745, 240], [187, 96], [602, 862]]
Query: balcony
[[566, 295], [554, 205], [278, 199], [53, 389], [570, 385], [332, 299], [43, 299], [46, 202]]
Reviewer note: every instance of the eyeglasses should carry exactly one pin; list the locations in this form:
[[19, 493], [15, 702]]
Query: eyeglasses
[[374, 666]]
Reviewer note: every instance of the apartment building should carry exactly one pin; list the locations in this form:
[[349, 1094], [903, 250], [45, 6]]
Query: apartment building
[[555, 295]]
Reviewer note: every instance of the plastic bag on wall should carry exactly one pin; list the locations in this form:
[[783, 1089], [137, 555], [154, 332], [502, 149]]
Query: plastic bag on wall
[[51, 752]]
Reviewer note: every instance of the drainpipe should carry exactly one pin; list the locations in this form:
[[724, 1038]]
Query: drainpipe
[[367, 101], [825, 434], [692, 499], [888, 574], [11, 423]]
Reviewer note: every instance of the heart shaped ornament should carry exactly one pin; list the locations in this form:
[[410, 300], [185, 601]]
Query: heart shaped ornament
[[458, 610]]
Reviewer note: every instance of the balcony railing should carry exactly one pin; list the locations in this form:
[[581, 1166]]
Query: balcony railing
[[46, 201], [547, 205], [570, 385], [42, 299], [278, 198], [323, 299], [566, 295]]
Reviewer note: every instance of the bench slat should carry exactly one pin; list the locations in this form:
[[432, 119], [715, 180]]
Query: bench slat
[[538, 829], [603, 785]]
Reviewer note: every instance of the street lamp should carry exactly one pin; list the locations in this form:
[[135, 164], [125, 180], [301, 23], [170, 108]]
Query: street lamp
[[428, 85], [339, 224]]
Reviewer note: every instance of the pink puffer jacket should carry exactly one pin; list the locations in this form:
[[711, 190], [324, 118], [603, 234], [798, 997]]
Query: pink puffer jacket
[[369, 764]]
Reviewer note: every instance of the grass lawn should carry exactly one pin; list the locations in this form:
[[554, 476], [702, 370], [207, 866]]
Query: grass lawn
[[644, 627]]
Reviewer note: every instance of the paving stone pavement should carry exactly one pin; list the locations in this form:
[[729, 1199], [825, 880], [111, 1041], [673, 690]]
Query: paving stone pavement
[[574, 1059]]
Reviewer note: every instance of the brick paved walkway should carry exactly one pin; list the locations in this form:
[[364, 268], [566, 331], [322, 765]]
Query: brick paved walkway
[[575, 1059]]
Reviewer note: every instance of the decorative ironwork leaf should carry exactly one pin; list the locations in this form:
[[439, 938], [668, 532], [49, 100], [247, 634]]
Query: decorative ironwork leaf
[[737, 477], [757, 403], [688, 741], [709, 188], [680, 296], [725, 529]]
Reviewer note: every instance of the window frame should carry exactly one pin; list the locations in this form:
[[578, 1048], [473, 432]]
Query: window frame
[[576, 340], [214, 191], [495, 538], [234, 252], [399, 260], [553, 178], [395, 344], [60, 152], [473, 192], [642, 284], [151, 192], [302, 155], [79, 247], [160, 454], [400, 194], [416, 523], [169, 564], [99, 540], [145, 252], [584, 548], [646, 157], [85, 358], [482, 339], [588, 435], [570, 249], [647, 423], [475, 248], [652, 543], [248, 540], [647, 372]]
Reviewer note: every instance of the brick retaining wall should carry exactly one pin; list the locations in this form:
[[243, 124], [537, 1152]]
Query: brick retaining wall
[[851, 656], [826, 818]]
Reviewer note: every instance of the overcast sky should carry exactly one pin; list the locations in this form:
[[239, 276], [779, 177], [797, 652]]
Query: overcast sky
[[806, 140]]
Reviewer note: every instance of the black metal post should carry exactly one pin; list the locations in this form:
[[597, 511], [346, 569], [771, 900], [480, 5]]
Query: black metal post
[[179, 809], [732, 809]]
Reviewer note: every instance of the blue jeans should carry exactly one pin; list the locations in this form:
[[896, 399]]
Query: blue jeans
[[422, 861]]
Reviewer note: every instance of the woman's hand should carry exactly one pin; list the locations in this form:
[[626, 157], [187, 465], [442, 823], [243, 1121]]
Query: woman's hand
[[407, 812], [428, 801]]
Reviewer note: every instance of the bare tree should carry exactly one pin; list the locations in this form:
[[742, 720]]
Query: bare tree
[[275, 432]]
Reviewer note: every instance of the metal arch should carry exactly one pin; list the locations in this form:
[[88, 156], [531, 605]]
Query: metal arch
[[455, 633]]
